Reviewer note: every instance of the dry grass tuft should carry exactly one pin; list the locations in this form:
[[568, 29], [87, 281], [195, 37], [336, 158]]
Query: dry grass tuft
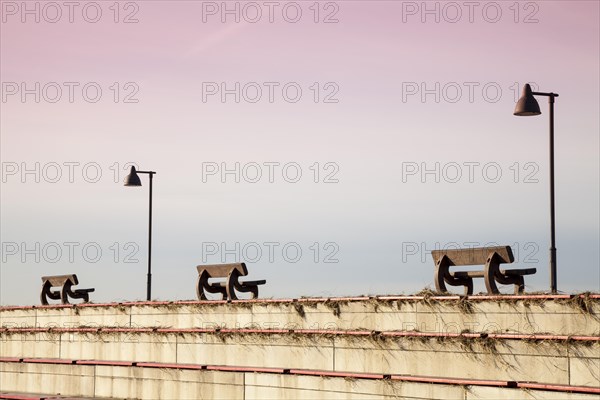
[[300, 310], [334, 306]]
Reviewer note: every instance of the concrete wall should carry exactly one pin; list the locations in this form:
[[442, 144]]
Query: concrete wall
[[336, 347], [560, 317], [554, 362], [153, 383]]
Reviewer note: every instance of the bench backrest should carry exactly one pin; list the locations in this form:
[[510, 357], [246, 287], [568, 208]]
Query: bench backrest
[[474, 255], [222, 270], [59, 280]]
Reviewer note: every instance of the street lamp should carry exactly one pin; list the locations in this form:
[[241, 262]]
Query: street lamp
[[134, 180], [526, 106]]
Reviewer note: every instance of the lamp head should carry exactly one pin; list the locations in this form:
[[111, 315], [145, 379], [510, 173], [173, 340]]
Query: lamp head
[[133, 178], [527, 104]]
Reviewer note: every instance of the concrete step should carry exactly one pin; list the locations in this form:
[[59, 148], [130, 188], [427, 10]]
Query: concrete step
[[549, 342], [168, 381], [571, 362], [553, 314], [39, 396]]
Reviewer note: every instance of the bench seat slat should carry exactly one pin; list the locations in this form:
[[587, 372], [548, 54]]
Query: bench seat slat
[[468, 274], [222, 270], [258, 282], [474, 255], [481, 274], [516, 272], [59, 280], [84, 290], [224, 283]]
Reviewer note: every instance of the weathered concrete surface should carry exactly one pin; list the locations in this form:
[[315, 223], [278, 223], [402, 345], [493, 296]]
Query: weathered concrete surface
[[550, 361], [154, 383], [564, 317], [21, 395], [70, 380], [555, 362], [66, 316], [265, 386], [584, 365], [482, 392]]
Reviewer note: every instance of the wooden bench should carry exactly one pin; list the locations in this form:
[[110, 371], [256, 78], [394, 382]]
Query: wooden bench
[[228, 287], [491, 257], [65, 282]]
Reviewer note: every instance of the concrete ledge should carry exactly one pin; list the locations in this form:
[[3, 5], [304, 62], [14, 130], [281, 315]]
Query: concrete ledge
[[51, 332], [57, 379], [558, 315], [545, 347], [38, 396], [171, 382], [571, 362]]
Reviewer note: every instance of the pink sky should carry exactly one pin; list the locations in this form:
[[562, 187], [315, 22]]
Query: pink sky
[[371, 55]]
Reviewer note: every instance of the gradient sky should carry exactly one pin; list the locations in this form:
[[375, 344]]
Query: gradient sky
[[377, 221]]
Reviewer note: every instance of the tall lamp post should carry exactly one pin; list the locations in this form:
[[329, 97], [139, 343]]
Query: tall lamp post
[[134, 180], [527, 106]]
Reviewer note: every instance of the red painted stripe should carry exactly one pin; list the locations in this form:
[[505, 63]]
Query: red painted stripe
[[333, 332], [19, 397], [407, 378], [175, 303], [185, 330], [591, 338], [424, 334], [474, 335], [170, 365], [247, 369], [263, 301], [244, 330], [48, 360], [445, 298], [313, 299], [98, 304], [82, 330], [185, 302], [452, 381], [129, 330], [11, 359], [522, 297], [55, 306], [103, 362], [518, 336], [359, 298], [332, 299], [335, 374], [9, 308], [558, 388], [393, 298]]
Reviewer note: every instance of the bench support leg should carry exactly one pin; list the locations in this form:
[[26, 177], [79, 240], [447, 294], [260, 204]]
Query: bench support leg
[[442, 276], [234, 284], [493, 275], [64, 292], [47, 293], [203, 285], [440, 270], [231, 283]]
